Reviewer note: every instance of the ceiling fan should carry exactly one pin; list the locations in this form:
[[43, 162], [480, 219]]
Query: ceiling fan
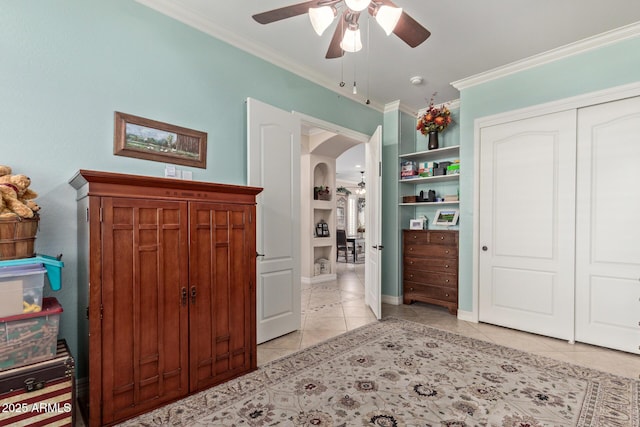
[[346, 37]]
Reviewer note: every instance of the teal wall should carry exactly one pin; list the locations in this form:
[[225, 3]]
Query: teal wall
[[603, 68], [67, 65]]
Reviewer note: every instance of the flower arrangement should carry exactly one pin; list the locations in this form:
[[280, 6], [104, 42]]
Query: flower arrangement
[[435, 119]]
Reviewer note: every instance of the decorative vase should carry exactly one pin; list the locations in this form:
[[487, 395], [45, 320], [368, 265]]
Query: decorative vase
[[433, 140]]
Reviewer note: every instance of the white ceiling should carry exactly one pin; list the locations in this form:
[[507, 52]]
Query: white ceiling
[[467, 37]]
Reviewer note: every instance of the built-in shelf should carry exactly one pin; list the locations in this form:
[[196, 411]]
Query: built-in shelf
[[319, 242], [437, 154], [457, 202], [424, 179], [323, 204]]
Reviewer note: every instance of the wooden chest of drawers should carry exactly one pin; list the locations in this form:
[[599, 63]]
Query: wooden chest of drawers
[[430, 267]]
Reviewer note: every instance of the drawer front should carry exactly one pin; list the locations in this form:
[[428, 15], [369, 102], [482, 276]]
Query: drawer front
[[438, 251], [445, 265], [431, 278], [433, 237], [416, 291]]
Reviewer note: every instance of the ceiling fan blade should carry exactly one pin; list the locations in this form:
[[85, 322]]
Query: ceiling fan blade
[[335, 51], [408, 29], [285, 12]]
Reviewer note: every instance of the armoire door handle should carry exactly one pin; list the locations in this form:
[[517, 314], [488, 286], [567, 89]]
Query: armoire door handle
[[193, 295], [184, 296]]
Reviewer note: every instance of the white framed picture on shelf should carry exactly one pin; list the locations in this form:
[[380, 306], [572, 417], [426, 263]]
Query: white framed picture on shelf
[[417, 224], [446, 217]]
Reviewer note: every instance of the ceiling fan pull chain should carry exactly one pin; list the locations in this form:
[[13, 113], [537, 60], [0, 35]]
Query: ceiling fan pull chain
[[342, 83], [368, 63]]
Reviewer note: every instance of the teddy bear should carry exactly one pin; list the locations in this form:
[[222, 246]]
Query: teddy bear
[[13, 188]]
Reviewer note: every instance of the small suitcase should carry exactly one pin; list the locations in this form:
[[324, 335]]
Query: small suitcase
[[40, 394]]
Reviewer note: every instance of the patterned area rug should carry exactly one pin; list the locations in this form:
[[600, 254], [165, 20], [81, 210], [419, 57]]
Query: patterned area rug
[[400, 373]]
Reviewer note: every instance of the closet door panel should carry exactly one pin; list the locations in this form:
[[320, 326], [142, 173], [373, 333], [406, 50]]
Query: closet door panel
[[527, 209], [608, 229]]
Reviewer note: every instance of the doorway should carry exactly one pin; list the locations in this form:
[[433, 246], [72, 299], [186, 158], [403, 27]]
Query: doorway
[[275, 155]]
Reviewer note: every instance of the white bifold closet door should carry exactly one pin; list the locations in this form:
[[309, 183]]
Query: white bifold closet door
[[608, 225], [527, 232]]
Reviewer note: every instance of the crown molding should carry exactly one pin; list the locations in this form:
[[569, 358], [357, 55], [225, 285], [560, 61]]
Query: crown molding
[[391, 106], [581, 46], [199, 22], [452, 105]]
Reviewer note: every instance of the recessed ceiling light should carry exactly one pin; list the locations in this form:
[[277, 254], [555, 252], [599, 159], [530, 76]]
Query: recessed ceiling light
[[358, 166]]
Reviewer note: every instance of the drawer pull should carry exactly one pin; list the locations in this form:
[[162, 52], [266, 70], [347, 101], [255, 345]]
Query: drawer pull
[[411, 262], [415, 237], [446, 252], [446, 266], [446, 281], [411, 276], [411, 249], [441, 237], [411, 289], [446, 295]]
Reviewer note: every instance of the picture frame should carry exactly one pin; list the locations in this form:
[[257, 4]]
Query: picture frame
[[147, 139], [446, 217], [416, 224]]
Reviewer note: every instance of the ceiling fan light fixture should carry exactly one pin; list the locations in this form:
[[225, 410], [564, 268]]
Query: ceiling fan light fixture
[[357, 5], [388, 17], [321, 18], [351, 42]]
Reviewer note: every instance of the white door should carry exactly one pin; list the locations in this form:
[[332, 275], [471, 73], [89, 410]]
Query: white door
[[608, 226], [373, 224], [527, 234], [273, 153]]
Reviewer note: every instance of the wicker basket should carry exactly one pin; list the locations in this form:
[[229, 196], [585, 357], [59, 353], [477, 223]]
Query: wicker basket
[[17, 238]]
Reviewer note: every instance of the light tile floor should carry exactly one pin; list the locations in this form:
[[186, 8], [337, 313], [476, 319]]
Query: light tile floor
[[332, 308]]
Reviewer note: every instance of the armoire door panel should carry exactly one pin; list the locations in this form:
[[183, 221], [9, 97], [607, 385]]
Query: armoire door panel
[[527, 211], [144, 326], [219, 313], [608, 230]]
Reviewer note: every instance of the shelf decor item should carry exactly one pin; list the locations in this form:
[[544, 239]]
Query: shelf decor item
[[433, 121], [321, 192]]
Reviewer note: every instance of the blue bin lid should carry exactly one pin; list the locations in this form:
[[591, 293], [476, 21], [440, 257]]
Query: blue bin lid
[[21, 270], [52, 265]]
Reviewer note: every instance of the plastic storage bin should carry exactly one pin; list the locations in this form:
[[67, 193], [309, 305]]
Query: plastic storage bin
[[30, 338], [52, 264], [21, 289]]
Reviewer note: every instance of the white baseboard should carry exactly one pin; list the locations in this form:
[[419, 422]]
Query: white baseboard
[[467, 316], [388, 299]]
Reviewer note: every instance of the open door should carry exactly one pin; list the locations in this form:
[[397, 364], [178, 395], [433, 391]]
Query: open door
[[273, 138], [373, 221]]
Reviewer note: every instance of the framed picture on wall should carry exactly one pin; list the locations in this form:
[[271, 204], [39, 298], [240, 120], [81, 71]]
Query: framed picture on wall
[[157, 141]]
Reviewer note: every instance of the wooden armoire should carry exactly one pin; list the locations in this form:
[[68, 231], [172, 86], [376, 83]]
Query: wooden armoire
[[166, 289]]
